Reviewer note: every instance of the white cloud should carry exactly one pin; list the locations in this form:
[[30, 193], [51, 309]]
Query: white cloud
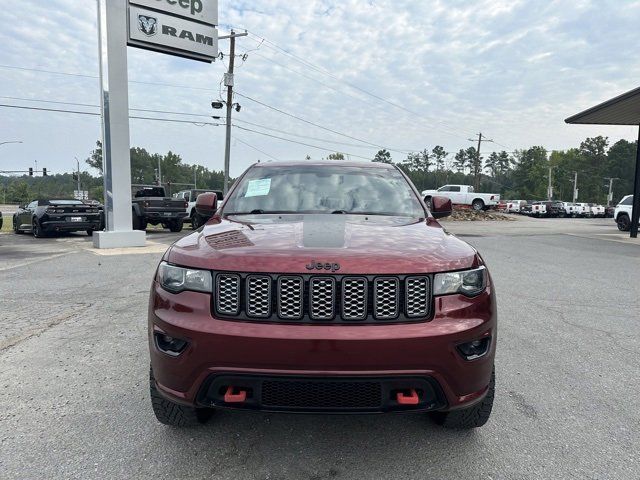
[[511, 69]]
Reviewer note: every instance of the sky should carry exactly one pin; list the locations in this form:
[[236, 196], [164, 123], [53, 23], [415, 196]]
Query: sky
[[400, 74]]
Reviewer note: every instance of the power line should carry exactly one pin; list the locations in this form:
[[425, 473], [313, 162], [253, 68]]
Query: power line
[[324, 71], [299, 143], [190, 87], [303, 136], [194, 115], [59, 110], [317, 125], [94, 77], [255, 148]]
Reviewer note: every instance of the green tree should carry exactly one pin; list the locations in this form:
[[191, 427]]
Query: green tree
[[19, 192], [493, 164], [620, 164], [95, 157], [530, 173], [461, 161], [383, 156], [336, 156]]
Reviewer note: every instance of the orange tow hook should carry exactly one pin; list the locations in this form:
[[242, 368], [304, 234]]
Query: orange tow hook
[[230, 397], [411, 399]]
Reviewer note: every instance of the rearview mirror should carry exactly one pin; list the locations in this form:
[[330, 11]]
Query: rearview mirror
[[440, 207], [207, 204]]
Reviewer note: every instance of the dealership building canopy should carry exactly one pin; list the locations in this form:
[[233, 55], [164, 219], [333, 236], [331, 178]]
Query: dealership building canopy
[[621, 110]]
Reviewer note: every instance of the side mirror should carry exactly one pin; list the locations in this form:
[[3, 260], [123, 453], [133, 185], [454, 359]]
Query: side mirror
[[440, 207], [207, 204]]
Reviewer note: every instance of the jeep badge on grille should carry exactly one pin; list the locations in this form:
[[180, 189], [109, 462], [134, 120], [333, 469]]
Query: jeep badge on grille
[[334, 267]]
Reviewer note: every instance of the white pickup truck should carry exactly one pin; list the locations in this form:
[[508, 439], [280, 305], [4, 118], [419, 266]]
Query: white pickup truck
[[514, 206], [191, 197], [464, 195], [583, 210], [597, 210]]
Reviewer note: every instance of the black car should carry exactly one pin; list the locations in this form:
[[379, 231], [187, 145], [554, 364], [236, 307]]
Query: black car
[[42, 217]]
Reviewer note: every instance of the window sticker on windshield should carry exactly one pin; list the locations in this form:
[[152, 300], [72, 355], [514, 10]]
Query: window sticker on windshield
[[258, 188]]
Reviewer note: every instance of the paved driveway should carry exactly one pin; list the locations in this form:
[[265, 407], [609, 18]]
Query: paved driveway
[[74, 363]]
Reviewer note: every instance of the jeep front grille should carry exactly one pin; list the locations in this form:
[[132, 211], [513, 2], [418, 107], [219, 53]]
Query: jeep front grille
[[323, 298]]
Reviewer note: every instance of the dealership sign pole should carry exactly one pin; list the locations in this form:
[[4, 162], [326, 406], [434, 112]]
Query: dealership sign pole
[[185, 28]]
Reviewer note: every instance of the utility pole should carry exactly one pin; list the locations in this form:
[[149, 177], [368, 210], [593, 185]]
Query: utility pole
[[228, 81], [550, 187], [610, 195], [159, 172], [478, 168], [78, 176], [195, 177], [575, 186]]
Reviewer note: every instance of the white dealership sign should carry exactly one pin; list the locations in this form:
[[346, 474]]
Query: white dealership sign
[[177, 30], [205, 11]]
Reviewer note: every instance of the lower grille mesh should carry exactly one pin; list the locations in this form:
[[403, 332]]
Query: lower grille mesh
[[321, 394]]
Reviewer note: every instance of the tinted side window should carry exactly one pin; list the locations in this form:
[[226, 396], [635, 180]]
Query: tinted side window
[[627, 201], [446, 188], [454, 189]]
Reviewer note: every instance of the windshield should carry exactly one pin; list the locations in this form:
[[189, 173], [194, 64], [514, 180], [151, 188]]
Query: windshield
[[324, 189]]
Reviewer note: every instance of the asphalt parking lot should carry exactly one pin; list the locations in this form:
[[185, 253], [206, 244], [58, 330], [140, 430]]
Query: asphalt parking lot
[[74, 364]]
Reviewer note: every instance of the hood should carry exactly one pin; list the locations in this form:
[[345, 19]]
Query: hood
[[291, 243]]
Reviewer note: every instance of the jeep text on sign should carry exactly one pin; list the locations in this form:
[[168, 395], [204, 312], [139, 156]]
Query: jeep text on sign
[[201, 10], [169, 34]]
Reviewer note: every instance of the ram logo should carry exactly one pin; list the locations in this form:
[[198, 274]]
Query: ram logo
[[148, 25]]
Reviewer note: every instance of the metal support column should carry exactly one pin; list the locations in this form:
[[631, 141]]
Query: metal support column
[[635, 213], [114, 93]]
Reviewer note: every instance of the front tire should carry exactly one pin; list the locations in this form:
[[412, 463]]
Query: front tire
[[176, 226], [195, 221], [36, 229], [139, 223], [16, 228], [175, 414], [624, 224], [478, 205], [472, 417]]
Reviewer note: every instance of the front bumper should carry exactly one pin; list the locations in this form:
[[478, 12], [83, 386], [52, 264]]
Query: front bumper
[[394, 356]]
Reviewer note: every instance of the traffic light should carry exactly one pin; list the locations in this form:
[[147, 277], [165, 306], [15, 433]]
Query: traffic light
[[31, 171], [44, 172]]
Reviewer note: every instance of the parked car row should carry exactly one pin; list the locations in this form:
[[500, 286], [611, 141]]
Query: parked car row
[[555, 209], [149, 206]]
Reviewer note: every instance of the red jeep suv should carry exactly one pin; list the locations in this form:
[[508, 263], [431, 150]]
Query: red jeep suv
[[323, 287]]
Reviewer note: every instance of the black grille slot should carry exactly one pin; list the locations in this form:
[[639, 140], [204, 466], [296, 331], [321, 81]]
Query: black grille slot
[[321, 394]]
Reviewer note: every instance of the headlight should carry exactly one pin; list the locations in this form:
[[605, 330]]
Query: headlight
[[468, 282], [177, 279]]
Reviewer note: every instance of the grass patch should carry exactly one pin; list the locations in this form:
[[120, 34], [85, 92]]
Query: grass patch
[[6, 224]]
